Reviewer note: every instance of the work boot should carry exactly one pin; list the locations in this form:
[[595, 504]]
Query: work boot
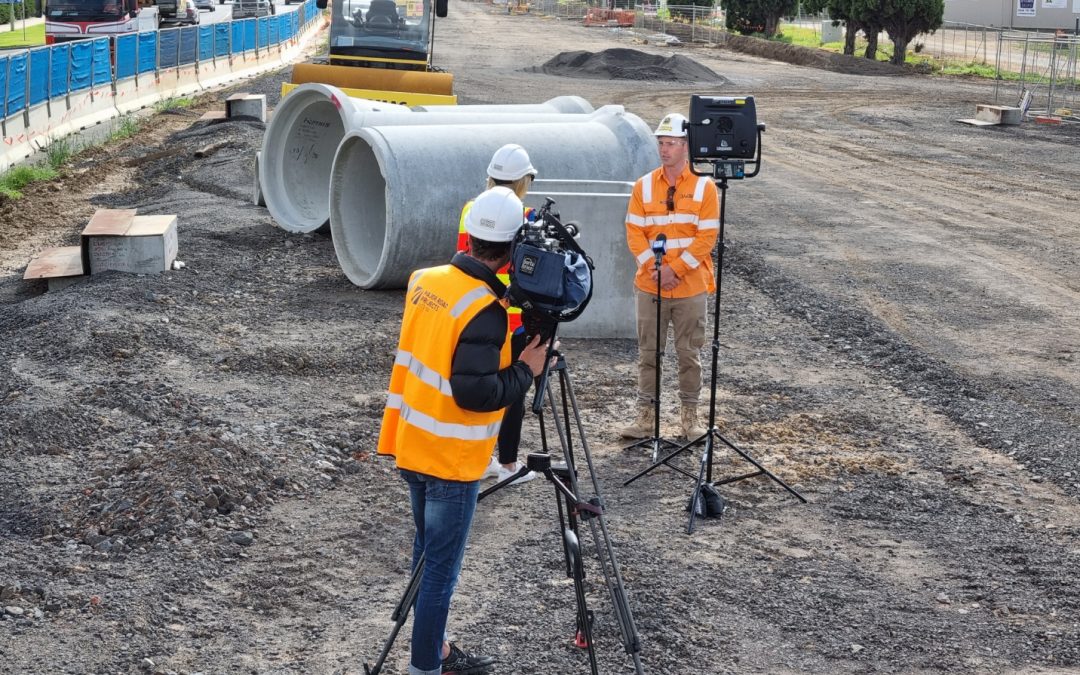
[[691, 425], [642, 426]]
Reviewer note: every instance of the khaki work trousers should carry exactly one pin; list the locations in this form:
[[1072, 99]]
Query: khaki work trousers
[[687, 317]]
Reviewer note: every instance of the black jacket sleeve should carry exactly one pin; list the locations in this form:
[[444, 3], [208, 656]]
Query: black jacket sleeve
[[475, 378]]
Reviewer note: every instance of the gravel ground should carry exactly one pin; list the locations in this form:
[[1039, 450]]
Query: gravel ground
[[187, 480]]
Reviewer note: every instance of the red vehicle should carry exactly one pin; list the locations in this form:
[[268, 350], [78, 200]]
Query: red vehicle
[[77, 19]]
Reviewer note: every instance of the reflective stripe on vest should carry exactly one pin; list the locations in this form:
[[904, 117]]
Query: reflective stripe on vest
[[422, 425]]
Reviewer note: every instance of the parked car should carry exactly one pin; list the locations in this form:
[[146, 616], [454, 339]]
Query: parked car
[[191, 13], [205, 5], [246, 9]]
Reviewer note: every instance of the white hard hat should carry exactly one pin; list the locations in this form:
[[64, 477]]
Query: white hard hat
[[510, 162], [672, 125], [496, 215]]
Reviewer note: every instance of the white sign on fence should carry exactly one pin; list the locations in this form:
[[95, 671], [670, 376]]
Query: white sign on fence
[[1054, 4], [1076, 6], [1025, 8]]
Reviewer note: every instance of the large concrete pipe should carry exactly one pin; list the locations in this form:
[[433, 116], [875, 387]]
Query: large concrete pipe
[[305, 130], [396, 193], [599, 209], [559, 104], [298, 152]]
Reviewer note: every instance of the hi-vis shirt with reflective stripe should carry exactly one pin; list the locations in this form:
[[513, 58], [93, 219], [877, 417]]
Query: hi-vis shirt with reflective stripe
[[422, 426], [512, 313], [691, 228]]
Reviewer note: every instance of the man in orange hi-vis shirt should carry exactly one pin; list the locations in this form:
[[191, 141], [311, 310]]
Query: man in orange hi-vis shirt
[[684, 207]]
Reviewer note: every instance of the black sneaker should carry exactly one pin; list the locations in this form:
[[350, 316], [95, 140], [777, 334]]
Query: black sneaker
[[460, 663]]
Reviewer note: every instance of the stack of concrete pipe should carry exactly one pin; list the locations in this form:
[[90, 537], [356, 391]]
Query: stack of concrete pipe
[[306, 128], [392, 181]]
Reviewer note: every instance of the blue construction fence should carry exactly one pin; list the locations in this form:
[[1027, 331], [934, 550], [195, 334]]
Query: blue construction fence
[[31, 77]]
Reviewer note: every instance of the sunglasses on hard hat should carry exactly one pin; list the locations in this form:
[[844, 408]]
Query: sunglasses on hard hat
[[671, 198]]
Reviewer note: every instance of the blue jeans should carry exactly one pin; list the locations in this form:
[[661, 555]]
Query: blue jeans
[[443, 512]]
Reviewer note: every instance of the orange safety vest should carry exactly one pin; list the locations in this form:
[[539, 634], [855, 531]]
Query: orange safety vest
[[691, 228], [512, 313], [422, 426]]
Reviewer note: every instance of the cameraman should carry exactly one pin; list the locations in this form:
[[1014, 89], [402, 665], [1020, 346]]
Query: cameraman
[[511, 167], [452, 379], [672, 201]]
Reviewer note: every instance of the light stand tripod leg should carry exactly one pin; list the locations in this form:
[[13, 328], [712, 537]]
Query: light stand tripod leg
[[705, 471]]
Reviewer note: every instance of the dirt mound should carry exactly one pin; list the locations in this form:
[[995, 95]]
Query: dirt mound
[[814, 58], [627, 64]]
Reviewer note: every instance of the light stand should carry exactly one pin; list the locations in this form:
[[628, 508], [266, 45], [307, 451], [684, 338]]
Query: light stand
[[723, 169], [659, 248]]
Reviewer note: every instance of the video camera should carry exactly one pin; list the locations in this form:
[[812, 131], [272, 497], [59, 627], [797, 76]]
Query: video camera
[[550, 275]]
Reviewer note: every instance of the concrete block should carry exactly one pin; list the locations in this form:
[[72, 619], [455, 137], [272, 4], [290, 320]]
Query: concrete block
[[60, 266], [599, 208], [246, 105], [146, 246], [997, 114]]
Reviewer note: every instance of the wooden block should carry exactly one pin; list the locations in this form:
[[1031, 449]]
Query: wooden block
[[109, 221], [212, 116], [1047, 119], [56, 263]]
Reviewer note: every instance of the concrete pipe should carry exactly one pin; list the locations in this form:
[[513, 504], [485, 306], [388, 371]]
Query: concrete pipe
[[298, 151], [396, 193], [307, 127], [559, 104]]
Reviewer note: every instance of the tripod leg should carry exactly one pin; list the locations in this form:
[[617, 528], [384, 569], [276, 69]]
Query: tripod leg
[[583, 636], [696, 498], [401, 613]]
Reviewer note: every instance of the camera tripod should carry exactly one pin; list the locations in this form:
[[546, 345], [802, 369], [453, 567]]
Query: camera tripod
[[704, 480], [574, 509]]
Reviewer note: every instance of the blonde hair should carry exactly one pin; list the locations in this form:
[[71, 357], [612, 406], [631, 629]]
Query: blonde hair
[[519, 186]]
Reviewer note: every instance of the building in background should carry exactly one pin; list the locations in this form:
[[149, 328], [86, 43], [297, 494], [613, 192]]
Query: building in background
[[1023, 14]]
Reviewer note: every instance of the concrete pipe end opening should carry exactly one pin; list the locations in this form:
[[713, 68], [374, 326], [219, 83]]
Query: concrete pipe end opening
[[358, 210], [298, 153]]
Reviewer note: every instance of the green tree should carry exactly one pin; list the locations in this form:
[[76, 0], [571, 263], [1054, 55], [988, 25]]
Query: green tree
[[902, 19], [757, 16]]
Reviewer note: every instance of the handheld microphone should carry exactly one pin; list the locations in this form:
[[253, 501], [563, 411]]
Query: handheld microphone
[[659, 247]]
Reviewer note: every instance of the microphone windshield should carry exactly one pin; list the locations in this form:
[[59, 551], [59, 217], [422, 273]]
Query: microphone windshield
[[659, 245]]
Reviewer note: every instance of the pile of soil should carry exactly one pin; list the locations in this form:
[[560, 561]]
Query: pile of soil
[[627, 64]]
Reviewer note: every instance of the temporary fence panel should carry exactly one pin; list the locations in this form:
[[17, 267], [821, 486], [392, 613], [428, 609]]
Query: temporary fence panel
[[39, 76], [249, 35], [221, 39], [3, 86], [264, 31], [102, 70], [16, 84], [168, 49], [206, 43], [126, 52], [59, 69], [82, 65], [147, 49], [189, 45]]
